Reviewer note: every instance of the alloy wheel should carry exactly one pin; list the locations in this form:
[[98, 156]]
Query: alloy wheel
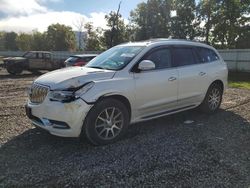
[[214, 99], [109, 123]]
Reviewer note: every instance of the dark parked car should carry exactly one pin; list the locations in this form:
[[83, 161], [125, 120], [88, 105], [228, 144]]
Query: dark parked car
[[32, 61], [79, 60]]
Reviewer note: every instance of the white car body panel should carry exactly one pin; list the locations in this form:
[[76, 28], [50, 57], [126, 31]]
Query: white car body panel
[[152, 98], [151, 94], [73, 77], [72, 113]]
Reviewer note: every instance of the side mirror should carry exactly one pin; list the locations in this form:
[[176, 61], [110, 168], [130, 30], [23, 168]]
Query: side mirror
[[145, 65]]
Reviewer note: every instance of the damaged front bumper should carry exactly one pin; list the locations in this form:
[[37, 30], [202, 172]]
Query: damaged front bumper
[[60, 119]]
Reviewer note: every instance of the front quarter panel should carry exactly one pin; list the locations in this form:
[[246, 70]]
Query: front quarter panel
[[117, 85], [121, 84]]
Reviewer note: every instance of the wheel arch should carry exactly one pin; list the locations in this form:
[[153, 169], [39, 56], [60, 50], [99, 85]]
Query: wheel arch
[[120, 98], [218, 82]]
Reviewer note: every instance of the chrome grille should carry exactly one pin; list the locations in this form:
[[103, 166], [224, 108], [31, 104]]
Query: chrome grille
[[37, 93]]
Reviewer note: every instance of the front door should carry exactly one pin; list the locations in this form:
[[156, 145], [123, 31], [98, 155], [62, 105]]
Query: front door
[[156, 90], [36, 61]]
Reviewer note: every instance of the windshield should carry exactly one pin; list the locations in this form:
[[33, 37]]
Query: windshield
[[115, 58]]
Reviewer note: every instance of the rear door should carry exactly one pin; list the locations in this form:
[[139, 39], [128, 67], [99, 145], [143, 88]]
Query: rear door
[[156, 90], [48, 65], [193, 77]]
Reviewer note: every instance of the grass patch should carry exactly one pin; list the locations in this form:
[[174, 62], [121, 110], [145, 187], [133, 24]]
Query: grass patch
[[239, 84], [239, 80]]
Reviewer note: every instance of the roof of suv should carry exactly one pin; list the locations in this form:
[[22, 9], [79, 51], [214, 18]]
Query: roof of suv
[[165, 41]]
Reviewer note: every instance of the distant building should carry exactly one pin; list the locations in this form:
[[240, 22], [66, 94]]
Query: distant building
[[80, 43]]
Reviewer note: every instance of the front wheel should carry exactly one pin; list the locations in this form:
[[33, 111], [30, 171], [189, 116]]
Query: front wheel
[[14, 70], [106, 122], [213, 99]]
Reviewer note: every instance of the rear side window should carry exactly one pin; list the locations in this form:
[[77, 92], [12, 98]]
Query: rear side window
[[161, 57], [206, 55], [87, 59], [46, 56], [183, 56]]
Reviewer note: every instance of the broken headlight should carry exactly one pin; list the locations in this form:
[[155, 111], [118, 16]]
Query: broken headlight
[[71, 93]]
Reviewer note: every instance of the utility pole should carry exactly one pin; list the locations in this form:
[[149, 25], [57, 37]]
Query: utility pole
[[113, 26]]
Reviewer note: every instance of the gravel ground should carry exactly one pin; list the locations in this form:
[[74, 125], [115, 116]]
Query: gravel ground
[[213, 151]]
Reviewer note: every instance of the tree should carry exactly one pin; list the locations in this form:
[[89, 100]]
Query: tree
[[61, 37], [39, 41], [93, 38], [10, 41], [243, 41], [183, 25], [116, 33], [24, 41], [206, 14], [138, 20], [231, 17], [2, 36], [151, 19]]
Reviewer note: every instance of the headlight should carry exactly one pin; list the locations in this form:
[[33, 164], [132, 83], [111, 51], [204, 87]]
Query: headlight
[[70, 94]]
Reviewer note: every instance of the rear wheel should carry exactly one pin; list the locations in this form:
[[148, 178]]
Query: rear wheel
[[106, 122], [213, 99]]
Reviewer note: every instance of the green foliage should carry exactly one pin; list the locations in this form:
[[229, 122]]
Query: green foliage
[[34, 41], [244, 85], [2, 40], [24, 41], [93, 38], [10, 41], [206, 13], [223, 23], [116, 32], [39, 41], [151, 19], [182, 26], [230, 18], [60, 38]]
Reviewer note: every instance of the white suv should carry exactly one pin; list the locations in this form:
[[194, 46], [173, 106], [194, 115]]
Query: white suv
[[128, 83]]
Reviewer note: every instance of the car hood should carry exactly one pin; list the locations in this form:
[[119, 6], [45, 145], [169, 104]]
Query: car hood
[[14, 59], [71, 77]]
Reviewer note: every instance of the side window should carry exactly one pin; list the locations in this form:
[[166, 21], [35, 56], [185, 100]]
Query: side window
[[160, 57], [32, 55], [183, 56], [40, 55], [207, 55], [46, 56]]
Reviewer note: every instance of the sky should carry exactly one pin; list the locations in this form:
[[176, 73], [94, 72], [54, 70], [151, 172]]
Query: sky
[[28, 15]]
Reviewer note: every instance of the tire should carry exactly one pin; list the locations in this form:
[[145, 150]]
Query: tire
[[14, 70], [106, 122], [213, 99]]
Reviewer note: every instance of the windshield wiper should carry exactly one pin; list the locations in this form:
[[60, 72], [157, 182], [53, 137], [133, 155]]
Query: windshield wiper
[[96, 67]]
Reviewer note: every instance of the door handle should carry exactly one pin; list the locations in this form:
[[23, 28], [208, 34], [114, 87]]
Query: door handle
[[172, 79], [202, 73]]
